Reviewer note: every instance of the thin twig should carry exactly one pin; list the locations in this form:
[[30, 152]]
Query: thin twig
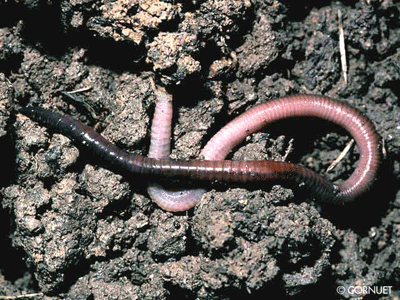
[[341, 156], [81, 90], [342, 48], [289, 149], [22, 296]]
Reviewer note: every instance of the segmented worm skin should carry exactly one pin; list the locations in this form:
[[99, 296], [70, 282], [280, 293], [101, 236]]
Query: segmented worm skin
[[359, 127], [160, 134], [170, 200]]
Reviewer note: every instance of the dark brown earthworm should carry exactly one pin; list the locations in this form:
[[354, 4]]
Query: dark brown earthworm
[[358, 125]]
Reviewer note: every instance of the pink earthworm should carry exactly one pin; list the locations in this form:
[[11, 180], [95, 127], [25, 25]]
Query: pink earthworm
[[160, 136], [342, 114], [358, 125]]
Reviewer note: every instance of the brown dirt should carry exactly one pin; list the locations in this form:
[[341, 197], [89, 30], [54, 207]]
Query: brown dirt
[[73, 230]]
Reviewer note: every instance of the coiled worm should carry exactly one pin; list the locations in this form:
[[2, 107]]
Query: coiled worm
[[358, 125]]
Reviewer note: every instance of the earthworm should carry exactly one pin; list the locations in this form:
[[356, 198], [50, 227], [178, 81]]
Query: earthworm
[[237, 130], [170, 200], [358, 125]]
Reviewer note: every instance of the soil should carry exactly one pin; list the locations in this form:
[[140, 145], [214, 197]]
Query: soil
[[72, 229]]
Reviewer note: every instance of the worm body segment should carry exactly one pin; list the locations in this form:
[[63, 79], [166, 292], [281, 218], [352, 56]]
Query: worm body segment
[[167, 199]]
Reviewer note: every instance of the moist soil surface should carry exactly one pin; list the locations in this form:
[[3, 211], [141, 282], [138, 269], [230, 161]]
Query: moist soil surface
[[71, 228]]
